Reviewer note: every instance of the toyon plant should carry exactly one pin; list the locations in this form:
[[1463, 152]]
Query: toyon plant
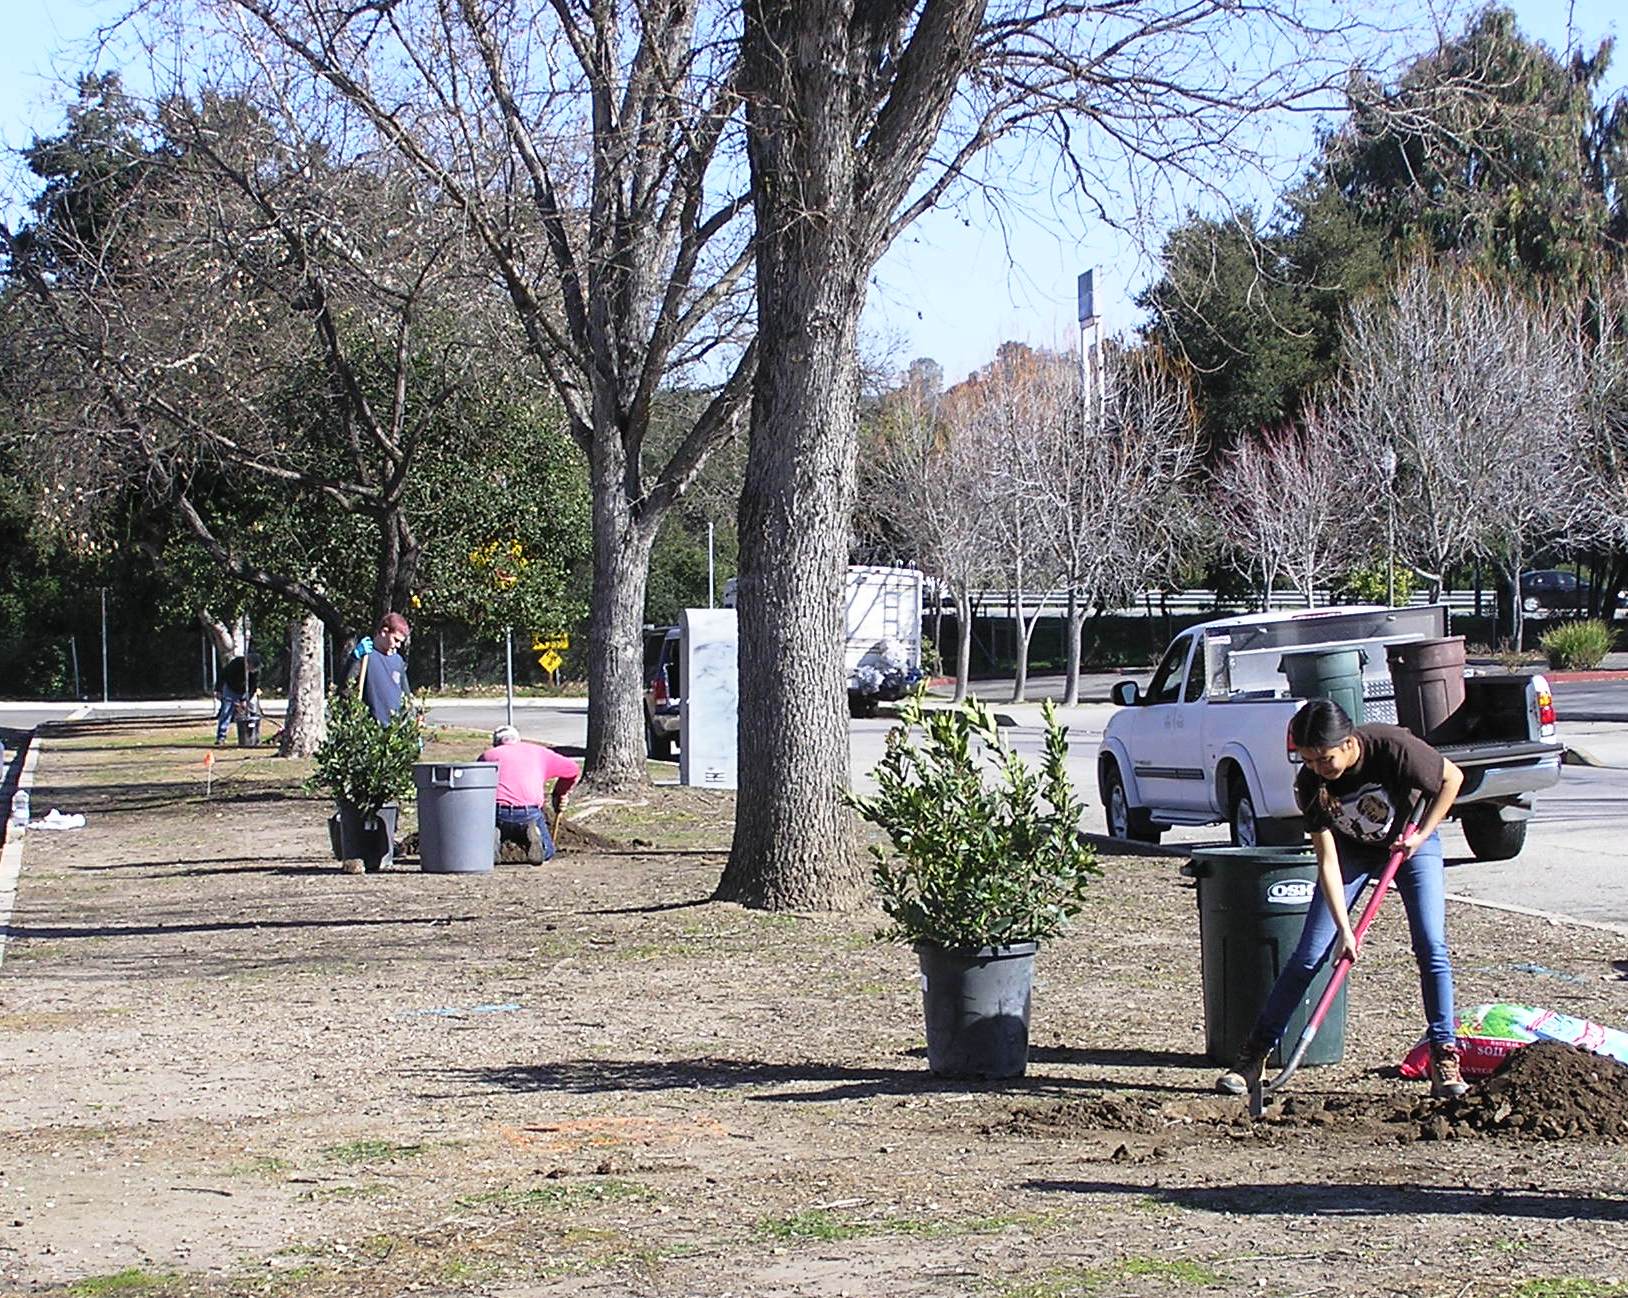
[[975, 862], [362, 762]]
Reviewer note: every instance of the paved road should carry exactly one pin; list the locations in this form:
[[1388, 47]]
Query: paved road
[[1574, 864]]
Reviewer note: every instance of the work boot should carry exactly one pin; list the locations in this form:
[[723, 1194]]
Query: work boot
[[534, 843], [351, 865], [1245, 1074], [1446, 1080]]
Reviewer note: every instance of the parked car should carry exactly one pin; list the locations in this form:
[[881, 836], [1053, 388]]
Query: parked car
[[1553, 589], [663, 690]]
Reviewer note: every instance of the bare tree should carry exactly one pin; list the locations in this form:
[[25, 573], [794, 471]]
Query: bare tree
[[1602, 362], [1298, 502], [928, 484], [1005, 416], [1477, 389], [587, 145], [861, 116], [1119, 485]]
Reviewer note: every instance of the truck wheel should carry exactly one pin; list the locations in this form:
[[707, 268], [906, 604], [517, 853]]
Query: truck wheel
[[659, 745], [1491, 837], [1125, 822], [1250, 830]]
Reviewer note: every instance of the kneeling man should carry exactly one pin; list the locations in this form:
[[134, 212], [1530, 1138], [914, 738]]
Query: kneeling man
[[523, 772]]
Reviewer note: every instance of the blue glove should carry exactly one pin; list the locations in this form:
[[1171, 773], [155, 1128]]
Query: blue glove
[[364, 647]]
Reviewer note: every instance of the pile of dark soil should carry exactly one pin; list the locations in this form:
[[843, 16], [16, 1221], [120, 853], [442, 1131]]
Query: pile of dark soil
[[1547, 1089]]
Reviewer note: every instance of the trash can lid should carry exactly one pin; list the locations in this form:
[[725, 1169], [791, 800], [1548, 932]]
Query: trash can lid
[[1206, 860]]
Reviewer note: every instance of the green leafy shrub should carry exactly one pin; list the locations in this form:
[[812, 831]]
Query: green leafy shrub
[[1371, 583], [974, 864], [362, 762], [1577, 646]]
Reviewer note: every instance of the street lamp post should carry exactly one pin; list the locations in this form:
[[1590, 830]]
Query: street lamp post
[[1388, 464], [1090, 348]]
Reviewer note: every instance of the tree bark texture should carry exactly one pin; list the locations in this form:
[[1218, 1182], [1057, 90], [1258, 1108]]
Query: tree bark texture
[[1075, 623], [621, 555], [306, 724], [963, 643], [793, 846]]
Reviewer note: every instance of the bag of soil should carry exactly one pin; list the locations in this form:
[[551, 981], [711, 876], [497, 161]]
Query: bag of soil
[[1489, 1034]]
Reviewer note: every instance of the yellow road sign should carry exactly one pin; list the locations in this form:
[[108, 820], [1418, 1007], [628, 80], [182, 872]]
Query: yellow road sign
[[560, 642], [549, 661]]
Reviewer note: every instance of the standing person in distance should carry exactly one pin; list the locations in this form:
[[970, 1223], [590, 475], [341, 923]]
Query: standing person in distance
[[378, 669], [239, 680], [1355, 790]]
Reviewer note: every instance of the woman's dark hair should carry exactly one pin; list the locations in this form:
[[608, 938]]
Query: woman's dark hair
[[1322, 723]]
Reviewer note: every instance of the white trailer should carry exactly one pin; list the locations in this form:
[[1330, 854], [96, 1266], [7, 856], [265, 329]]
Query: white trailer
[[882, 652], [881, 633]]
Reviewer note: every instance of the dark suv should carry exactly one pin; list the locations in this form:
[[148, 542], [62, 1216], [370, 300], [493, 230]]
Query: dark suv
[[663, 690]]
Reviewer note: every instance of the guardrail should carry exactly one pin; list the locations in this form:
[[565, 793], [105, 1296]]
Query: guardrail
[[994, 602]]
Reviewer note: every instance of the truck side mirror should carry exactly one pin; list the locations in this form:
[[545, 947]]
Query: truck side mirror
[[1125, 693]]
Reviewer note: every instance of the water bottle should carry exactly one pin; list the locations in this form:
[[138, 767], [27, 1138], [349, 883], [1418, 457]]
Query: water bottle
[[19, 808]]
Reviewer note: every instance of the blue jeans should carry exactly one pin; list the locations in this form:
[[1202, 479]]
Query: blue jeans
[[512, 822], [1422, 883], [228, 699]]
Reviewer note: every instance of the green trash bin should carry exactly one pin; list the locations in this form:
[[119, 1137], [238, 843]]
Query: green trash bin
[[1327, 674], [1252, 904]]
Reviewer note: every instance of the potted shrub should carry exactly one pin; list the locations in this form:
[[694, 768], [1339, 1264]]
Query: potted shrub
[[977, 874], [365, 768]]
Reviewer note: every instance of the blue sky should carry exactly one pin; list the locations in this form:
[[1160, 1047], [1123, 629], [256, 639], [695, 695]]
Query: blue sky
[[954, 287]]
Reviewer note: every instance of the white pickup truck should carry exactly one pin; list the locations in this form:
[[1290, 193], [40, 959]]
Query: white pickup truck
[[1207, 742]]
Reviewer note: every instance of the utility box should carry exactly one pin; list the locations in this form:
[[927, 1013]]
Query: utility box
[[708, 715]]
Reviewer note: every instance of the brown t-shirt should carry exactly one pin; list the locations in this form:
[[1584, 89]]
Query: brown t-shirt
[[1368, 803]]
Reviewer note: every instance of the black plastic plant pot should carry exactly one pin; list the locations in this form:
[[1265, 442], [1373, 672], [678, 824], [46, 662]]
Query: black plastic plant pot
[[977, 1007], [370, 839]]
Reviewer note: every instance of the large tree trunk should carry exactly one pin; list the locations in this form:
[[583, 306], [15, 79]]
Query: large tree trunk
[[228, 641], [1076, 618], [616, 740], [794, 844], [307, 722], [963, 643]]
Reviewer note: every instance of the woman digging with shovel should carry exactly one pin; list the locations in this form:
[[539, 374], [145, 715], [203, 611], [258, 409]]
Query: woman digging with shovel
[[1355, 791]]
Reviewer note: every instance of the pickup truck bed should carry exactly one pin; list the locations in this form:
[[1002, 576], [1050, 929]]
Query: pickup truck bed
[[1207, 742]]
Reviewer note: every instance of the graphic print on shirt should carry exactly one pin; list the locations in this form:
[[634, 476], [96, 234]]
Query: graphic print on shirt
[[1364, 814]]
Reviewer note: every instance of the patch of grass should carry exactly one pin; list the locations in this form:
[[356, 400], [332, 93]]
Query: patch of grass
[[464, 1270], [559, 1196], [1058, 1283], [131, 1280], [341, 1193], [1083, 1282], [812, 1224], [261, 1165], [1568, 1286], [821, 1225], [1180, 1270], [370, 1150]]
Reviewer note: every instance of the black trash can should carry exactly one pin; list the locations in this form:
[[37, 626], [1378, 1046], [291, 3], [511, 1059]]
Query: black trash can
[[370, 839], [1327, 674], [1252, 904]]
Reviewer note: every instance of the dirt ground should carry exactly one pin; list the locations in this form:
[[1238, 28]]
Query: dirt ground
[[226, 1068]]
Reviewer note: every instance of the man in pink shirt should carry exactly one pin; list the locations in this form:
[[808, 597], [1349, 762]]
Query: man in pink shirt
[[523, 772]]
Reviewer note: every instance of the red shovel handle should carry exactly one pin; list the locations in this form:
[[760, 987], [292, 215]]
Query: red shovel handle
[[1342, 966]]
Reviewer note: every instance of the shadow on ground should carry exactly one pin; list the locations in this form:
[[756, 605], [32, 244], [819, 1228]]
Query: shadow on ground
[[1346, 1200]]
